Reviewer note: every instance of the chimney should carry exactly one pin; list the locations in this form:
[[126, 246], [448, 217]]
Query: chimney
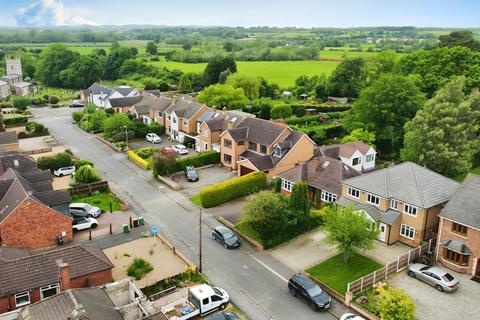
[[64, 275], [214, 108], [304, 171], [230, 125]]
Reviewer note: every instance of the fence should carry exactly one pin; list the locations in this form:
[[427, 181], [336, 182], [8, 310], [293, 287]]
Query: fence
[[368, 281], [89, 188]]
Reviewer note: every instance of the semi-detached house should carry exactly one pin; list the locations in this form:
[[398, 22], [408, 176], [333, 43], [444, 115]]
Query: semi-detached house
[[181, 119]]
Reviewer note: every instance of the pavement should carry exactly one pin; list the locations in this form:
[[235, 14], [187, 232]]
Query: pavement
[[255, 280]]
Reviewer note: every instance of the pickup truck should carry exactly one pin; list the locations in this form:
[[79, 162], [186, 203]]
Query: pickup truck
[[201, 299]]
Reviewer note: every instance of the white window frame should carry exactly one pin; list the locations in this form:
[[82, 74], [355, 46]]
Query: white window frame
[[277, 151], [405, 230], [393, 201], [359, 161], [328, 196], [287, 185], [22, 294], [410, 210], [205, 132], [369, 196], [370, 158], [51, 286], [351, 190]]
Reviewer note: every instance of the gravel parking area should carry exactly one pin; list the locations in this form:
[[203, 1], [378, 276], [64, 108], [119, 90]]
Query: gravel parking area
[[207, 176], [141, 143]]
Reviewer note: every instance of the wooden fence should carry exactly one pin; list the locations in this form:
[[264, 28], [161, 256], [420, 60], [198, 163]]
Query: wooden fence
[[89, 188], [368, 281]]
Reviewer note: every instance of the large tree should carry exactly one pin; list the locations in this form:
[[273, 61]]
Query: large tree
[[151, 48], [249, 83], [53, 60], [83, 72], [360, 135], [114, 127], [115, 59], [349, 230], [463, 38], [223, 95], [216, 66], [443, 136], [348, 78], [383, 109]]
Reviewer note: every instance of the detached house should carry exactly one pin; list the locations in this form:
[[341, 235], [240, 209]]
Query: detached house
[[99, 94], [404, 199], [328, 168], [181, 119], [458, 245], [261, 145]]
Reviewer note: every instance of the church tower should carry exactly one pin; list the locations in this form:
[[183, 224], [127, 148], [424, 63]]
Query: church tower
[[13, 65]]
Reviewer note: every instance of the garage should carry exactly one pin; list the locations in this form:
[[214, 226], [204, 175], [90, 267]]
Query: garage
[[245, 170]]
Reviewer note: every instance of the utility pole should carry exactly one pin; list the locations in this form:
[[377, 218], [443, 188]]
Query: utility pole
[[200, 241], [126, 136]]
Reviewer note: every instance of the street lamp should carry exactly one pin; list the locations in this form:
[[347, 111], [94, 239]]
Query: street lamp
[[200, 241], [126, 136]]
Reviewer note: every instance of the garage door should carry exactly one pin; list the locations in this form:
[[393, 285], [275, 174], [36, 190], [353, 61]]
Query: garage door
[[245, 170]]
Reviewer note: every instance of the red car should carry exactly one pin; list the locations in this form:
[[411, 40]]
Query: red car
[[167, 150]]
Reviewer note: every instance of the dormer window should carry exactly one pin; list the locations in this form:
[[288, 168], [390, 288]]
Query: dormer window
[[277, 151], [356, 161], [370, 158]]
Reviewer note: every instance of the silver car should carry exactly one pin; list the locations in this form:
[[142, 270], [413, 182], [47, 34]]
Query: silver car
[[436, 277], [84, 210]]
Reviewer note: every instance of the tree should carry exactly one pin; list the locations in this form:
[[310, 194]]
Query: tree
[[381, 63], [249, 83], [383, 109], [115, 126], [223, 95], [299, 198], [114, 61], [97, 119], [222, 78], [77, 116], [86, 174], [83, 72], [443, 136], [268, 90], [162, 161], [463, 38], [349, 230], [395, 304], [187, 46], [348, 78], [281, 111], [54, 59], [101, 52], [21, 103], [229, 46], [277, 184], [151, 48], [262, 107], [217, 65], [360, 135]]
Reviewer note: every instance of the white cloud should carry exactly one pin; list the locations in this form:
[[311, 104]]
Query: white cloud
[[48, 13]]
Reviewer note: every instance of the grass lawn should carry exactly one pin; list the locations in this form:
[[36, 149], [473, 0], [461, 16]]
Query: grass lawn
[[101, 200], [335, 274], [249, 232], [476, 171], [196, 199]]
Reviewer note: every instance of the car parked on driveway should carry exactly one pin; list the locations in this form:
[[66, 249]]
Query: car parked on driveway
[[224, 316], [84, 210], [167, 151], [153, 138], [226, 237], [82, 223], [191, 174], [436, 277], [303, 287], [64, 171], [180, 149]]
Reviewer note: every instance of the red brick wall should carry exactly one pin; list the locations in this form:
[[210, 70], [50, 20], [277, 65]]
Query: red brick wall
[[4, 305], [34, 225]]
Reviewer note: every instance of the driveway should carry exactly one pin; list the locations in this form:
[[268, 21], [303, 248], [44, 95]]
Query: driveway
[[432, 304], [141, 143], [117, 219], [232, 210], [207, 176]]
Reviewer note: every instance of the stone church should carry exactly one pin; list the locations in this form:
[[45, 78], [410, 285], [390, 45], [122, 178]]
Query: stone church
[[12, 83]]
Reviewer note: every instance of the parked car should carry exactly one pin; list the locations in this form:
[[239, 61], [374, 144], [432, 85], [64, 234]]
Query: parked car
[[77, 104], [153, 138], [84, 210], [167, 150], [303, 287], [64, 171], [436, 277], [226, 237], [351, 316], [224, 316], [180, 149], [191, 174], [82, 223]]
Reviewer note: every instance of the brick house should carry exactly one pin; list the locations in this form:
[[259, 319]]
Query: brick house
[[404, 199], [458, 245], [261, 145], [28, 278], [328, 168]]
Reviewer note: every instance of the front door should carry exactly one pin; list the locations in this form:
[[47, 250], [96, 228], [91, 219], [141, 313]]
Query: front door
[[477, 272], [383, 232]]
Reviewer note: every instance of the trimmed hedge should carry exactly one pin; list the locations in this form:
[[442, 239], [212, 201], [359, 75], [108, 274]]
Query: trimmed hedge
[[320, 108], [139, 161], [15, 120], [198, 160], [212, 196]]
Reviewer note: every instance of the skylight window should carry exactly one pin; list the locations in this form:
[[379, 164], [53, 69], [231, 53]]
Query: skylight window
[[326, 164]]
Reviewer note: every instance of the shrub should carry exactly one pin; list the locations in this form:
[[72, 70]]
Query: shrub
[[303, 120], [21, 103], [201, 159], [395, 304], [322, 108], [277, 184], [86, 174], [62, 159], [15, 120], [122, 145], [139, 268], [144, 153], [280, 111], [53, 99], [36, 128], [237, 187], [81, 162], [139, 161], [77, 116], [114, 127]]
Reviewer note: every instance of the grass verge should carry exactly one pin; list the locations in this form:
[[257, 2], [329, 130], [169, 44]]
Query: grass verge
[[196, 200], [101, 200], [249, 232]]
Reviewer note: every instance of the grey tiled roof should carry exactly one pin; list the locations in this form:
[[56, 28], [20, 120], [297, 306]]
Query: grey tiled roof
[[11, 253], [19, 162], [262, 131], [464, 206], [457, 246], [261, 162], [389, 217], [97, 88], [124, 101], [407, 182], [146, 103], [184, 108]]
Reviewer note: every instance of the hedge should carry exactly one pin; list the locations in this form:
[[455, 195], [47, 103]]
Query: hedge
[[212, 196], [139, 161], [15, 120], [198, 160], [320, 108]]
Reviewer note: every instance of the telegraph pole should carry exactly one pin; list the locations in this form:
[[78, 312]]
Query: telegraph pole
[[200, 241]]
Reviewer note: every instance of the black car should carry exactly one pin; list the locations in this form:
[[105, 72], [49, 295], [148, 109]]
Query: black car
[[223, 316], [304, 288], [226, 237], [191, 174]]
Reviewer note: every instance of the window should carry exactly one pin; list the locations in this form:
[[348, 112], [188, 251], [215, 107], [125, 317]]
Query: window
[[356, 161], [353, 192], [205, 132], [241, 143], [169, 118], [459, 228], [328, 197], [277, 151], [370, 158], [227, 143], [393, 204], [168, 129], [252, 146], [174, 120], [227, 158], [185, 122], [49, 291], [205, 146], [263, 149], [216, 298], [407, 231], [22, 299], [411, 210], [456, 257], [205, 301], [287, 185], [373, 199]]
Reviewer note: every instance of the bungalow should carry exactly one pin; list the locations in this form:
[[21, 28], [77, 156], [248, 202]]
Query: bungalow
[[99, 94]]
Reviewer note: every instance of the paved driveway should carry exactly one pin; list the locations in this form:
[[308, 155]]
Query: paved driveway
[[207, 177], [433, 305], [117, 219], [141, 143]]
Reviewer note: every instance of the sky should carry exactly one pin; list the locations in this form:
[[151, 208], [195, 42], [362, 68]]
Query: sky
[[247, 13]]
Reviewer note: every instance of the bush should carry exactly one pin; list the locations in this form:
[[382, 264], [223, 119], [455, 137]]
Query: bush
[[77, 116], [81, 162], [21, 103], [86, 174], [198, 160], [280, 111], [59, 160], [395, 304], [142, 129], [53, 100], [15, 120], [321, 108], [139, 268], [36, 128], [138, 160], [237, 187], [144, 153], [305, 120]]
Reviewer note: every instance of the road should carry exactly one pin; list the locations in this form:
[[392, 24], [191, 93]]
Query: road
[[256, 281]]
